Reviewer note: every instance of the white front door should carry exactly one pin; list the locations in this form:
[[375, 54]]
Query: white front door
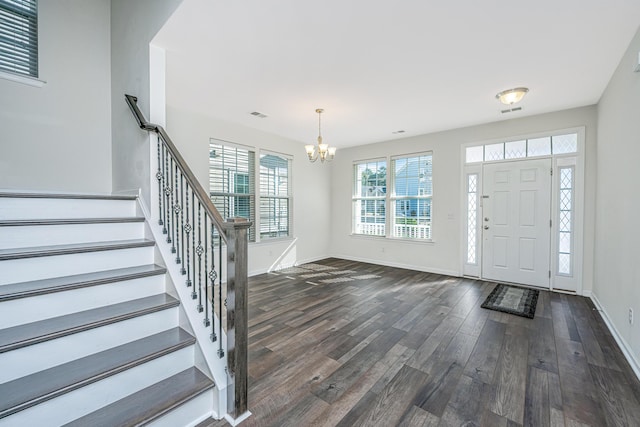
[[516, 217]]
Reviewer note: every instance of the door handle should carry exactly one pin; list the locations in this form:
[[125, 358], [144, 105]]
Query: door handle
[[486, 227]]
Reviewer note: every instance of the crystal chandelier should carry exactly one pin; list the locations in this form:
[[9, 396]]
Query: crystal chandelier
[[321, 150]]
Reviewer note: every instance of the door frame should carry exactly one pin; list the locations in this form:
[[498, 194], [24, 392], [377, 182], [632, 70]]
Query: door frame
[[558, 283]]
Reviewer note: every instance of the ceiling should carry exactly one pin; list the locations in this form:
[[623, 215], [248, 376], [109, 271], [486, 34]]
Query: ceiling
[[379, 66]]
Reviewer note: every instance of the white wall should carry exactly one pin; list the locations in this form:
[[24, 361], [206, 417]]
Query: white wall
[[443, 255], [58, 137], [617, 266], [133, 26], [190, 131]]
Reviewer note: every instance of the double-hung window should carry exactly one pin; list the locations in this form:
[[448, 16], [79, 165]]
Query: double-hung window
[[275, 196], [411, 196], [19, 37], [370, 198], [231, 181]]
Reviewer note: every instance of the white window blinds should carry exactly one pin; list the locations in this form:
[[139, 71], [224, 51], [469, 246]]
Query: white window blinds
[[19, 37]]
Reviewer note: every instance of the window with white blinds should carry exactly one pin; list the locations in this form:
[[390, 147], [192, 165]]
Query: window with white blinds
[[275, 196], [19, 37], [232, 182]]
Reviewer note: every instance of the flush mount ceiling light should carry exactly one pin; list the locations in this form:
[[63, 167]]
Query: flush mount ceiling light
[[511, 96], [321, 150]]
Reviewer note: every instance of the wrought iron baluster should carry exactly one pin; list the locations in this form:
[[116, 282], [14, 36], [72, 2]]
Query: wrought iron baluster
[[172, 206], [206, 321], [182, 184], [162, 193], [194, 295], [212, 276], [176, 218], [199, 251], [159, 178], [167, 202], [187, 229], [220, 350]]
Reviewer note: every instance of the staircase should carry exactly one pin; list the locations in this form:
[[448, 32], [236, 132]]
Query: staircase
[[90, 334]]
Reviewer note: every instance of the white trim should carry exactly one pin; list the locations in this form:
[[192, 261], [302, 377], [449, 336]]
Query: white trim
[[624, 347], [25, 80], [399, 265]]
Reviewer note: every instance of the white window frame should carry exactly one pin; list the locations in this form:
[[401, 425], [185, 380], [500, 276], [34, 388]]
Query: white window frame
[[288, 197], [394, 198], [359, 198]]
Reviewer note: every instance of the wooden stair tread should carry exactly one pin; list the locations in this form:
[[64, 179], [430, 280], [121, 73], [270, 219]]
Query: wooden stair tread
[[44, 330], [67, 196], [59, 284], [36, 388], [40, 251], [70, 221], [149, 403]]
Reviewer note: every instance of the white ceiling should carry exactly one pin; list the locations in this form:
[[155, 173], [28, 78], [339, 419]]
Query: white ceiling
[[378, 66]]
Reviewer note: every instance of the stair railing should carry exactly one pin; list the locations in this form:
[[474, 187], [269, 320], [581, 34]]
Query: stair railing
[[194, 229]]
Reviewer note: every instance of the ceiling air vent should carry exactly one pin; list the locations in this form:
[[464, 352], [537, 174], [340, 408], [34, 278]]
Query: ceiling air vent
[[397, 131], [259, 114], [511, 109]]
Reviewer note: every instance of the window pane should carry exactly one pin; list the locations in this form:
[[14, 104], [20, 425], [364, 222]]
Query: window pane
[[493, 152], [472, 214], [19, 37], [231, 181], [274, 181], [565, 224], [515, 149], [565, 143], [539, 147], [475, 154], [413, 189], [369, 192]]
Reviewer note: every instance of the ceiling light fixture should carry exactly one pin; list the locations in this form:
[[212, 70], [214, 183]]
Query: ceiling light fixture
[[511, 96], [321, 150]]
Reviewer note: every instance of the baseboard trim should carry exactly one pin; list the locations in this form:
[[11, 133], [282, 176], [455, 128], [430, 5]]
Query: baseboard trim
[[626, 349], [401, 265]]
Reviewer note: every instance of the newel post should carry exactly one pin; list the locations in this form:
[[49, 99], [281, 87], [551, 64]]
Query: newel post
[[237, 316]]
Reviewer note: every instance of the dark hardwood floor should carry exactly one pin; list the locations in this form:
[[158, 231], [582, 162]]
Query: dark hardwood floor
[[341, 343]]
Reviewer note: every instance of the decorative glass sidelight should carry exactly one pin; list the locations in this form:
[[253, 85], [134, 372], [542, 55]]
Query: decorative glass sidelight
[[472, 215], [565, 221]]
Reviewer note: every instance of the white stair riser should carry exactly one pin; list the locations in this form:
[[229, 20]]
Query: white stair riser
[[31, 359], [80, 402], [47, 235], [32, 309], [45, 208], [27, 269], [189, 414]]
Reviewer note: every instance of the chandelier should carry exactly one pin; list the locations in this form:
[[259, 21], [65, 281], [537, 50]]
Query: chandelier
[[321, 150]]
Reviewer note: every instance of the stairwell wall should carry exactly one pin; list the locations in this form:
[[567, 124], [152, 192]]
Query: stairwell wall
[[58, 137], [133, 26]]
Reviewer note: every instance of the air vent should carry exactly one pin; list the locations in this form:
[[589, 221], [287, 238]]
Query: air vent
[[259, 114], [397, 131], [511, 109]]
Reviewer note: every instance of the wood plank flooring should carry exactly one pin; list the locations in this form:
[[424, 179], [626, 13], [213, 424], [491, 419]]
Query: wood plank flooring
[[341, 343]]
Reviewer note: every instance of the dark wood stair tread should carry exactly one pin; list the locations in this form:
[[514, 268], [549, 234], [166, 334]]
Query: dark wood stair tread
[[39, 387], [70, 221], [43, 330], [150, 403], [59, 284], [40, 251], [68, 196]]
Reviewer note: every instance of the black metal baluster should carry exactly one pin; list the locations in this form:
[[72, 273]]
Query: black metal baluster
[[206, 321], [199, 251], [220, 350], [194, 295], [176, 209], [187, 229], [167, 192], [172, 207], [162, 193], [159, 178], [182, 184], [212, 276]]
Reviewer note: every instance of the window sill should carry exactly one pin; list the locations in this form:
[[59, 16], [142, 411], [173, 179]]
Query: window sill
[[29, 81], [395, 239], [272, 241]]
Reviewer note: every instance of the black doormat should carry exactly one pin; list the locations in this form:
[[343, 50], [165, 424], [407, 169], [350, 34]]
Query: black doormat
[[512, 300]]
